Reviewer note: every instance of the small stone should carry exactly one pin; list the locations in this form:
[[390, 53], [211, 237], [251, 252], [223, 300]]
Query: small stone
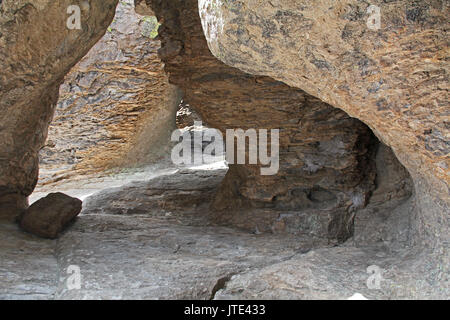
[[49, 216]]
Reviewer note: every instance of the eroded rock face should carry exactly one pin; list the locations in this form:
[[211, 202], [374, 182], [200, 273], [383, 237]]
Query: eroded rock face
[[184, 195], [152, 239], [387, 217], [394, 79], [49, 216], [326, 157], [116, 107], [36, 51], [156, 239], [339, 273], [143, 240]]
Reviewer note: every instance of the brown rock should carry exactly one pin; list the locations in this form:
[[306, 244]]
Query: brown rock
[[49, 216], [394, 79], [12, 206], [323, 151], [116, 107], [36, 51]]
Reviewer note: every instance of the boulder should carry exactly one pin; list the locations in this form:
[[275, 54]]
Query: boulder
[[49, 216]]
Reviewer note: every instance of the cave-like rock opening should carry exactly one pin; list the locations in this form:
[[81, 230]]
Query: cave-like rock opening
[[340, 202]]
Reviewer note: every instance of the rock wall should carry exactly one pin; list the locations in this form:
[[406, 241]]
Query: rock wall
[[327, 166], [36, 51], [394, 79], [333, 170], [116, 107]]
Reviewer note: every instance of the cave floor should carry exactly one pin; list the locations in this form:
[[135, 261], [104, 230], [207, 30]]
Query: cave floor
[[151, 239]]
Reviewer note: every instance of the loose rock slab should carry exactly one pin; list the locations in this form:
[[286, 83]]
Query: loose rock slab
[[49, 216]]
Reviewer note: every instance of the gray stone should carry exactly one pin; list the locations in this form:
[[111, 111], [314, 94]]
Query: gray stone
[[154, 239]]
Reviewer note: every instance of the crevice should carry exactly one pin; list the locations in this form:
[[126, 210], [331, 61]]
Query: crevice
[[220, 284]]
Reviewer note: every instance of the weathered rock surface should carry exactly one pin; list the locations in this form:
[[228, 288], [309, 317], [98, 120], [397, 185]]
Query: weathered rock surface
[[28, 265], [326, 49], [183, 194], [168, 250], [388, 216], [339, 273], [116, 108], [324, 154], [394, 79], [49, 216], [150, 258], [36, 51], [145, 245]]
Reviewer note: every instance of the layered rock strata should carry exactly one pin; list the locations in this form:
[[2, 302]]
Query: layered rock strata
[[326, 157], [383, 62], [37, 50], [116, 107]]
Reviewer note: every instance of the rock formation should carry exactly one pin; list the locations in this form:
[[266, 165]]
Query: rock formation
[[161, 249], [327, 168], [394, 80], [116, 108], [349, 101], [37, 50], [392, 76], [49, 216]]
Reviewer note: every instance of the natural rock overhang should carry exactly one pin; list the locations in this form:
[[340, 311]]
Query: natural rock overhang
[[30, 85], [394, 79], [326, 175]]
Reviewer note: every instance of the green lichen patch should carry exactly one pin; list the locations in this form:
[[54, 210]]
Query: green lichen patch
[[150, 27]]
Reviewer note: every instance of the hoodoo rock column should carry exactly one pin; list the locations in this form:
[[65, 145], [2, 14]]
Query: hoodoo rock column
[[37, 50]]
